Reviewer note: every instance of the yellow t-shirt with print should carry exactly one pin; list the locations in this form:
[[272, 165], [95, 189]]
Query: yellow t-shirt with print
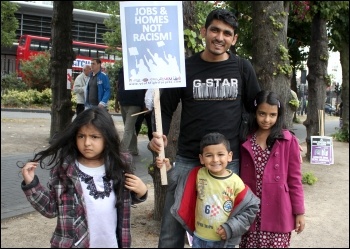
[[215, 198]]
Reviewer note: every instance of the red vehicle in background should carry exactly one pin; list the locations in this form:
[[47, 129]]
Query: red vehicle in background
[[29, 45]]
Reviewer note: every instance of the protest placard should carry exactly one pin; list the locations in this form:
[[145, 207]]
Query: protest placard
[[322, 150], [153, 44], [153, 50]]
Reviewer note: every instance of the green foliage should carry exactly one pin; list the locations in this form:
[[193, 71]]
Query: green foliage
[[74, 101], [113, 37], [9, 23], [35, 98], [144, 129], [112, 72], [45, 97], [295, 103], [309, 178], [277, 25], [296, 120], [341, 135], [30, 98], [15, 98], [99, 6], [111, 105], [11, 82], [328, 79], [284, 52], [284, 68], [36, 71], [190, 39], [338, 26]]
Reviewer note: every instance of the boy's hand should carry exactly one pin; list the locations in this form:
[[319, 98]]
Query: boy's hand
[[160, 162], [221, 232]]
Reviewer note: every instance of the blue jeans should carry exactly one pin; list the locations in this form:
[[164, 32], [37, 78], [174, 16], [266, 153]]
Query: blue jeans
[[200, 243], [172, 234]]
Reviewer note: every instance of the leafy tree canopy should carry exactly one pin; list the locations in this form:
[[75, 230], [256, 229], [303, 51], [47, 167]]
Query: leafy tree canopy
[[9, 23]]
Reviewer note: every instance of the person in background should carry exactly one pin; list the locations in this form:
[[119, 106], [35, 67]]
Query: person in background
[[271, 167], [91, 186], [212, 202], [79, 88], [212, 100], [98, 89], [146, 116], [131, 102], [303, 105], [104, 68]]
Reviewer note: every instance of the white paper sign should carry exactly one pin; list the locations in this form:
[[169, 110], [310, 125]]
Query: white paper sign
[[153, 44], [322, 150]]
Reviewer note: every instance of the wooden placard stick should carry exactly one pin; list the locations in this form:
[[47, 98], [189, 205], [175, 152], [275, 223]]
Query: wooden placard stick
[[159, 129], [322, 122], [319, 122], [138, 113]]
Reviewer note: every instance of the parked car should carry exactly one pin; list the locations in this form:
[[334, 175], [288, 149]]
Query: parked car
[[329, 109]]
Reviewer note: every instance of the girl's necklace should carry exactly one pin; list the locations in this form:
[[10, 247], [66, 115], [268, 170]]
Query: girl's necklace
[[89, 180]]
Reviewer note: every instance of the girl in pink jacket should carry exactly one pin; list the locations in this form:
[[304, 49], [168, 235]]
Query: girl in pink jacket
[[271, 167]]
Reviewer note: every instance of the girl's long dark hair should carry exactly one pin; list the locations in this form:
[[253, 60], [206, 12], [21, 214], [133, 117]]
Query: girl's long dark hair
[[270, 98], [63, 148]]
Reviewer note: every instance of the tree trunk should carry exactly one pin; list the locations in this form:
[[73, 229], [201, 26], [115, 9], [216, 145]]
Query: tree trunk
[[170, 152], [270, 51], [344, 60], [62, 57], [317, 63], [159, 190]]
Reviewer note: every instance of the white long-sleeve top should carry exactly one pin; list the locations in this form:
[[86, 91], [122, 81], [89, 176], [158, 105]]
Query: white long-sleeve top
[[149, 99]]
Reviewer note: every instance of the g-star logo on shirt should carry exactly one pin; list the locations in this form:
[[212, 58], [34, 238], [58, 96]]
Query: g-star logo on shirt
[[215, 82], [215, 89]]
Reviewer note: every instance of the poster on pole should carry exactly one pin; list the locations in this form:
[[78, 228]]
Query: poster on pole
[[152, 44], [322, 150]]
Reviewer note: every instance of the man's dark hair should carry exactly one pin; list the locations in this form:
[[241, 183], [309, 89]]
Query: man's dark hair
[[222, 15], [98, 60]]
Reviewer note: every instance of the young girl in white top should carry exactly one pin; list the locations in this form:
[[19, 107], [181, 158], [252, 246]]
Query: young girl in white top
[[91, 184]]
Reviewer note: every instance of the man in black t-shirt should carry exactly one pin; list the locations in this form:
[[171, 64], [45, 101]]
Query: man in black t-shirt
[[211, 102]]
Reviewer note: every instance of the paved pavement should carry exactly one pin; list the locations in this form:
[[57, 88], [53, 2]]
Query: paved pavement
[[13, 201]]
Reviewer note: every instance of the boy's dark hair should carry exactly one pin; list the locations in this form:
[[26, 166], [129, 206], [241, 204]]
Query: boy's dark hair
[[213, 139], [222, 15], [270, 98]]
